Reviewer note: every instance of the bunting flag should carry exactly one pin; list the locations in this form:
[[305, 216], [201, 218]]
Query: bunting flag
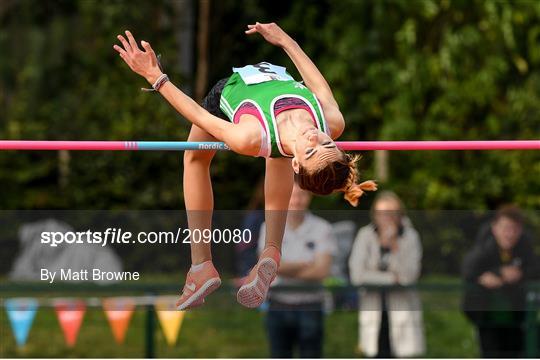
[[119, 311], [21, 313], [169, 318], [70, 314]]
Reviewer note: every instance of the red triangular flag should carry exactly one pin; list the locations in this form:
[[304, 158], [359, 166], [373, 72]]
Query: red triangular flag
[[70, 315], [118, 312]]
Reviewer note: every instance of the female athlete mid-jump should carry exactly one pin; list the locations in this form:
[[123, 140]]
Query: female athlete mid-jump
[[260, 110]]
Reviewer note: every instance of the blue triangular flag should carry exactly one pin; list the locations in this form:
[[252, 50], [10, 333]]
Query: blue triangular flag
[[21, 313]]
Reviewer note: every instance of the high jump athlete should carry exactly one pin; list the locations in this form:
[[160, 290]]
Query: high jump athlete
[[260, 110]]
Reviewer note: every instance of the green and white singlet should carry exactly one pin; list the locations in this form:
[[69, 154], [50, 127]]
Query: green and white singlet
[[255, 89]]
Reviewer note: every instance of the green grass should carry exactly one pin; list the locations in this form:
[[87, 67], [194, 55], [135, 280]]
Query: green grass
[[224, 329]]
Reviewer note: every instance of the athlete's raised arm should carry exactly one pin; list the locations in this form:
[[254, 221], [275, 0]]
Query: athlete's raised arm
[[145, 63], [311, 75]]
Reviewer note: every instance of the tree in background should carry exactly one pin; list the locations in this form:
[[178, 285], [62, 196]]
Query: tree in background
[[407, 70], [401, 70]]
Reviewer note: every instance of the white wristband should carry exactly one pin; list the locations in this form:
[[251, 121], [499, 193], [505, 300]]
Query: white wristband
[[162, 79]]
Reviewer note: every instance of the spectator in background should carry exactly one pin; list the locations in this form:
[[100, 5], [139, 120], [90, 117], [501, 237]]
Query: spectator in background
[[497, 268], [295, 318], [388, 252]]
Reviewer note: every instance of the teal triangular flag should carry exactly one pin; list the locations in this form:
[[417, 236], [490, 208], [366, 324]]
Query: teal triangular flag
[[21, 313]]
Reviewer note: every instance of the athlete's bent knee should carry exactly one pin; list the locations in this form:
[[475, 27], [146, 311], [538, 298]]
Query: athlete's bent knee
[[194, 157]]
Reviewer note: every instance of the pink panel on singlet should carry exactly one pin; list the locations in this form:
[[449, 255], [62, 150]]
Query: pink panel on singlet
[[294, 107], [290, 103], [249, 109], [280, 106]]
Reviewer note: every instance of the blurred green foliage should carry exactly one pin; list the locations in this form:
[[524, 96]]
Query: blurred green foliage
[[443, 70], [400, 70], [404, 70]]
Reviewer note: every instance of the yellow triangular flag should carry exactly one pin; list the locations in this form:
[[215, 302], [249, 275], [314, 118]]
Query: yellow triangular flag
[[169, 318], [171, 321]]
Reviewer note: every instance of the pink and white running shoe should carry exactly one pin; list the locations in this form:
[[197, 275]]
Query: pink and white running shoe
[[253, 293], [199, 284]]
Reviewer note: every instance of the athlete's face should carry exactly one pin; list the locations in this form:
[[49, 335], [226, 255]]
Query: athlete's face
[[314, 149]]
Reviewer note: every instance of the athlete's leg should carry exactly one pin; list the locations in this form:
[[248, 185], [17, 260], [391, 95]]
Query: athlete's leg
[[202, 278], [198, 196], [277, 193]]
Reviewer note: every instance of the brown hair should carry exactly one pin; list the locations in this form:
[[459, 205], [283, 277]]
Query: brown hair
[[339, 175], [511, 212]]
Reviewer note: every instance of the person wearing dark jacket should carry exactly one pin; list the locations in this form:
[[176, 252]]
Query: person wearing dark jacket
[[495, 271]]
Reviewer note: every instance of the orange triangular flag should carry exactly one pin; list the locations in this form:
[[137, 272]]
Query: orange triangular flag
[[118, 312], [70, 315], [169, 318]]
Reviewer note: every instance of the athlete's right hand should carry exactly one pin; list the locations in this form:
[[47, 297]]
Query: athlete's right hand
[[144, 63], [271, 33]]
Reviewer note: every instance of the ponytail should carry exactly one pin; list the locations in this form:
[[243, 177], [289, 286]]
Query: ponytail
[[352, 190]]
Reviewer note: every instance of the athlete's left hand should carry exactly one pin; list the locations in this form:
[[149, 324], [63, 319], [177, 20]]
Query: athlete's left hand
[[271, 33]]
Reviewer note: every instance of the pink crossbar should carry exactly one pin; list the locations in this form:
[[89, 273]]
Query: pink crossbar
[[67, 145], [441, 145], [344, 145]]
